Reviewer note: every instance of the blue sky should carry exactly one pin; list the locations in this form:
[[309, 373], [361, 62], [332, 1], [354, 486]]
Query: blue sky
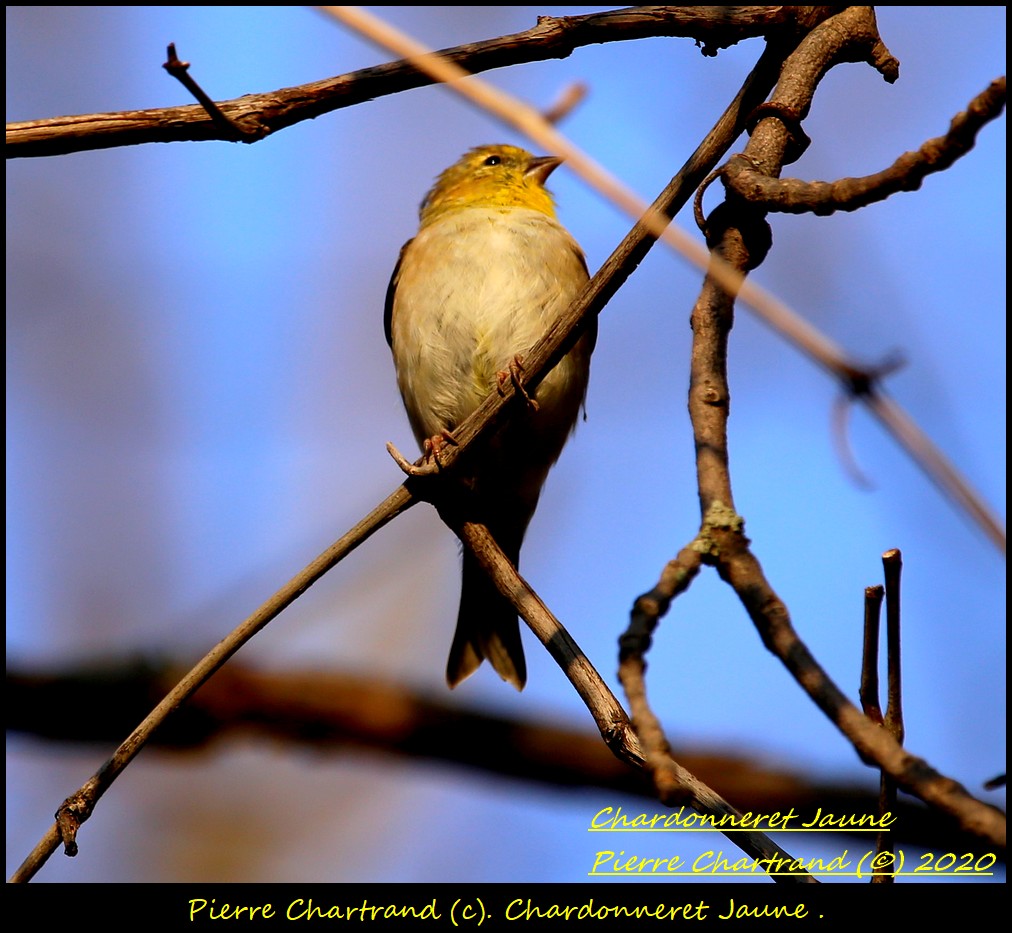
[[199, 395]]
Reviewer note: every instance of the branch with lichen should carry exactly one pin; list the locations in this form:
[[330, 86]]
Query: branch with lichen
[[739, 237]]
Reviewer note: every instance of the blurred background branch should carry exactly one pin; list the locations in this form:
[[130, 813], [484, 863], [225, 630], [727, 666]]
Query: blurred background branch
[[331, 712]]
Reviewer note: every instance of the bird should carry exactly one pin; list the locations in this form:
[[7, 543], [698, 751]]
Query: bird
[[490, 269]]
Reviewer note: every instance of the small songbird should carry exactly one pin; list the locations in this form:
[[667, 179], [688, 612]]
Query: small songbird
[[490, 269]]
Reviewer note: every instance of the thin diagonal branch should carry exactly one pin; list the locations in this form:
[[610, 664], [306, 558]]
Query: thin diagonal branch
[[939, 468], [79, 806], [681, 787]]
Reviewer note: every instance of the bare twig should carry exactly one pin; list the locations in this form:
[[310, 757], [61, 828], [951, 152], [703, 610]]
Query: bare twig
[[181, 72], [842, 406], [892, 563], [570, 98], [869, 656], [729, 552], [676, 577], [855, 385], [633, 646], [893, 722], [872, 743], [873, 710], [608, 714], [666, 774]]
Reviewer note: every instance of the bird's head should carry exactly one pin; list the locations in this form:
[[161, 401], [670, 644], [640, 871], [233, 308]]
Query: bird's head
[[502, 177]]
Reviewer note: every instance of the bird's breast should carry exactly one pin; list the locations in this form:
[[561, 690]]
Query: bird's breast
[[476, 288]]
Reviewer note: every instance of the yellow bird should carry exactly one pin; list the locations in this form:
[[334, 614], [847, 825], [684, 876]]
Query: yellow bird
[[490, 269]]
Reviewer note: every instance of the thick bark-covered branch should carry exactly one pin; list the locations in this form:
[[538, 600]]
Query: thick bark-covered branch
[[254, 116], [794, 196]]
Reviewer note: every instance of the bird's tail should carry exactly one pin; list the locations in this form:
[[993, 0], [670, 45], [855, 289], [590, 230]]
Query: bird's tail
[[487, 629]]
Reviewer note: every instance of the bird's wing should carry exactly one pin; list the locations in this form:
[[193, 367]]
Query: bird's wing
[[388, 305]]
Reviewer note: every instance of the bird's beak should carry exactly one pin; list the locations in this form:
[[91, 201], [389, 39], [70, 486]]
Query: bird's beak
[[541, 167]]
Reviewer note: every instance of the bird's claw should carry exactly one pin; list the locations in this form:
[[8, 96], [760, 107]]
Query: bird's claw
[[433, 445], [430, 455], [514, 375], [409, 468]]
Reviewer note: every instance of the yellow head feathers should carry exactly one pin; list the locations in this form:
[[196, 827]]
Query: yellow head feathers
[[503, 177]]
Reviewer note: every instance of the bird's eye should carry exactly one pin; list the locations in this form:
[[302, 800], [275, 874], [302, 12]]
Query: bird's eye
[[493, 160]]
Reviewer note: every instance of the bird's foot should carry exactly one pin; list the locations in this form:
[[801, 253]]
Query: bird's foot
[[433, 445], [430, 462], [409, 468], [514, 375]]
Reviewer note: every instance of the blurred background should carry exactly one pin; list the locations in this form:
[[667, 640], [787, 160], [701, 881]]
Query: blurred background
[[199, 394]]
